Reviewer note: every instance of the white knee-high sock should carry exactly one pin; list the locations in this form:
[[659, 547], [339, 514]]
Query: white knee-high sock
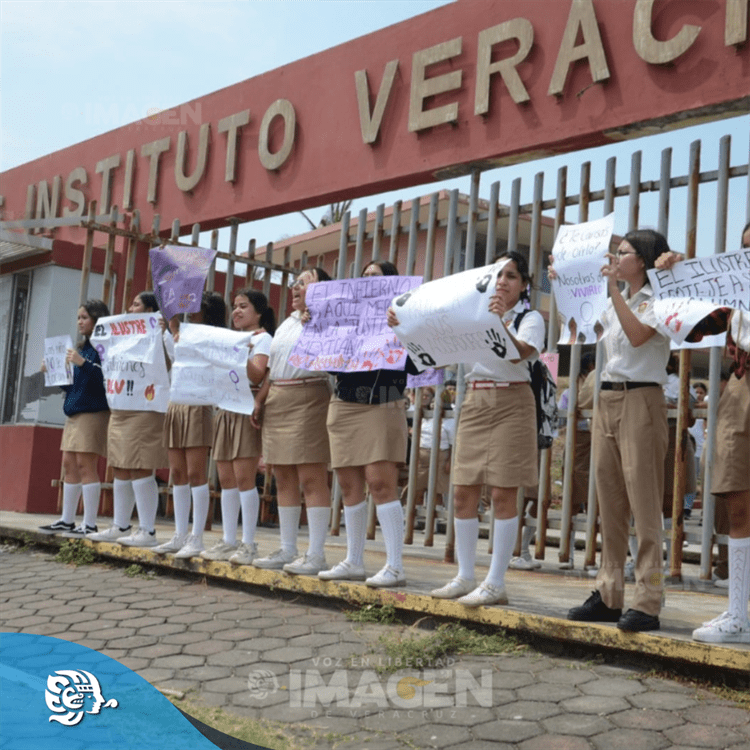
[[739, 577], [181, 502], [317, 525], [71, 496], [123, 500], [230, 514], [91, 494], [391, 520], [503, 541], [467, 535], [146, 500], [201, 501], [289, 526], [250, 502], [355, 518]]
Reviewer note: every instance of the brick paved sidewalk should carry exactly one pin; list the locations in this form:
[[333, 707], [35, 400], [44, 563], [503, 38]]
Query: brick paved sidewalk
[[254, 654]]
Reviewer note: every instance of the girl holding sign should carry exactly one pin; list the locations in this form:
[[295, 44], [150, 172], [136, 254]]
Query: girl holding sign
[[292, 406], [237, 444], [84, 436], [630, 439], [188, 432], [496, 441]]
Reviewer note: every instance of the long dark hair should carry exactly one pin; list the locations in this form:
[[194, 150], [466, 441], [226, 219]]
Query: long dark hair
[[214, 310], [149, 301], [321, 273], [385, 266], [649, 245], [96, 309], [260, 302], [522, 265]]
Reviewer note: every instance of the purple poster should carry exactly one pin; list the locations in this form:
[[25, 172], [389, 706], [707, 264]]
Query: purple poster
[[430, 376], [348, 331], [179, 275]]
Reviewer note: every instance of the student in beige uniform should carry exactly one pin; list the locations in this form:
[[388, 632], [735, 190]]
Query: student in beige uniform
[[630, 436], [188, 433], [496, 441], [292, 407], [237, 443]]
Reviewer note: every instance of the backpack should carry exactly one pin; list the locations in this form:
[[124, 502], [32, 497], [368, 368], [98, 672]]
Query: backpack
[[545, 395]]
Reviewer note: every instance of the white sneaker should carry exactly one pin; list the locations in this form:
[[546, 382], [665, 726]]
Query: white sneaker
[[386, 578], [455, 588], [524, 562], [245, 554], [716, 619], [80, 532], [175, 544], [722, 583], [112, 534], [309, 565], [276, 560], [343, 571], [484, 594], [220, 551], [729, 629], [192, 548], [139, 538]]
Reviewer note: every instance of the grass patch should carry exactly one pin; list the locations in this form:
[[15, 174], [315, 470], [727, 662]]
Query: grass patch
[[138, 571], [75, 552], [258, 731], [450, 639], [382, 613]]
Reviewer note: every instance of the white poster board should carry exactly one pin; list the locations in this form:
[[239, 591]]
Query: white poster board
[[580, 290], [57, 370], [448, 321], [210, 368], [132, 354]]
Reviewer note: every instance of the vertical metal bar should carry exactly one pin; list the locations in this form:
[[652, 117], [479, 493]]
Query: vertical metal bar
[[284, 291], [515, 212], [211, 280], [536, 234], [450, 532], [127, 287], [109, 258], [411, 252], [416, 432], [450, 233], [267, 274], [155, 239], [437, 422], [377, 232], [429, 258], [665, 176], [395, 233], [229, 278], [88, 252], [195, 235], [359, 246], [490, 247], [634, 195], [714, 366], [471, 228], [343, 245]]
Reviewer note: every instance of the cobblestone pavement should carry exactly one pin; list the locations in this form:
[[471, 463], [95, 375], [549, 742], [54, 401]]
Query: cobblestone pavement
[[264, 655]]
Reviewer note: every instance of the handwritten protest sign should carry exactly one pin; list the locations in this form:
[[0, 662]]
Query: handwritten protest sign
[[348, 331], [448, 321], [210, 368], [179, 274], [580, 290], [57, 370], [692, 289], [552, 360], [132, 354], [429, 377]]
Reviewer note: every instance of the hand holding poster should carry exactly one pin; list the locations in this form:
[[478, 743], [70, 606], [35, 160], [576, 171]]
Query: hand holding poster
[[448, 321], [210, 368], [348, 331], [179, 275], [57, 370], [132, 354], [690, 290], [580, 289]]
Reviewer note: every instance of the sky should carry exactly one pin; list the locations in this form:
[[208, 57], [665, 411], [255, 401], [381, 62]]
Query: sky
[[72, 70]]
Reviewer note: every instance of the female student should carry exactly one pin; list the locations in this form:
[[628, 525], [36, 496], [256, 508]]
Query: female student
[[630, 437], [292, 407], [135, 451], [368, 436], [496, 441], [237, 444], [188, 431], [84, 436]]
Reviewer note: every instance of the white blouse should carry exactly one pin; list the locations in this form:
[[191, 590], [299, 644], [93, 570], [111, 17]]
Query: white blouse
[[284, 341]]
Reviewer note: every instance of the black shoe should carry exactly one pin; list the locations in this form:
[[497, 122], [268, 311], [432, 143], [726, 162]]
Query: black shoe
[[594, 610], [56, 528], [635, 621]]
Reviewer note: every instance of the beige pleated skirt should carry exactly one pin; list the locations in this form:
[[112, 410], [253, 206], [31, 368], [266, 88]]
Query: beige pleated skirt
[[188, 426], [86, 433], [732, 453], [496, 441], [135, 440], [294, 424], [234, 437], [362, 434]]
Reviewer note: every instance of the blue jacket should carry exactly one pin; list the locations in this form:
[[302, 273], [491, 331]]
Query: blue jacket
[[87, 393]]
